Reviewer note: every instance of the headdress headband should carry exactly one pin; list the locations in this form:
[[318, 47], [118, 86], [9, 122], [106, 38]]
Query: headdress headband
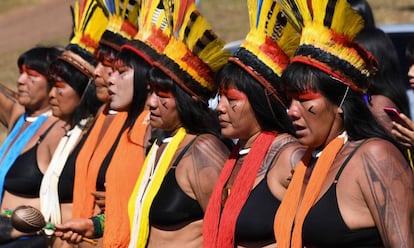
[[78, 62], [271, 42], [329, 26], [194, 52]]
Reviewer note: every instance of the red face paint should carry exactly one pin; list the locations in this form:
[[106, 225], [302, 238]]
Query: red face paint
[[60, 84], [305, 96], [32, 72], [233, 94], [159, 91], [107, 59]]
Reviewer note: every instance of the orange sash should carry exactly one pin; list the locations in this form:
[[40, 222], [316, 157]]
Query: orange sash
[[291, 215], [89, 162], [121, 176]]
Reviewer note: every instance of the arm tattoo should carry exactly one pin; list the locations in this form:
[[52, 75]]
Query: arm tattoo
[[208, 155], [388, 187]]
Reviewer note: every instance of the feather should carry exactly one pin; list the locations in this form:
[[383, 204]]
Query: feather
[[271, 38], [194, 46], [89, 24]]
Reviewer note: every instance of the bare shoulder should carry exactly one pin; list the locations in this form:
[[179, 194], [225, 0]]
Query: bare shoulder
[[286, 149], [381, 154], [387, 185], [210, 143], [284, 155], [207, 152], [55, 132]]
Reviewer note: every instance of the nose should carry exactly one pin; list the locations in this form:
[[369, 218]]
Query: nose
[[112, 78], [411, 71], [152, 100], [52, 92], [22, 78], [98, 70], [220, 106], [293, 110]]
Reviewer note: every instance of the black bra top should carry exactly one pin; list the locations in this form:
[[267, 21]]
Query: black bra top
[[101, 179], [24, 176], [325, 227], [172, 208], [256, 219], [67, 177]]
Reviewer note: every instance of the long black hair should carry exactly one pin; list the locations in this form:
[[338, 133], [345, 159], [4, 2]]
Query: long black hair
[[388, 80], [196, 117], [270, 113]]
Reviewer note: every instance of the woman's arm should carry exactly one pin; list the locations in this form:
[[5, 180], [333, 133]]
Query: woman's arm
[[208, 155], [387, 185], [10, 108]]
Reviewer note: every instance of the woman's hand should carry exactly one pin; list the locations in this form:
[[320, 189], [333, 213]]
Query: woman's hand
[[100, 199], [74, 230], [404, 135]]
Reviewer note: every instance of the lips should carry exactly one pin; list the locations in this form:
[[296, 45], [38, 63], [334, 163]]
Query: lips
[[223, 123], [152, 114], [300, 130], [412, 83]]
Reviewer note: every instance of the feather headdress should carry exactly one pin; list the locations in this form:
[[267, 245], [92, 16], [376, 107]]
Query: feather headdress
[[329, 27], [194, 52], [123, 22], [153, 34], [269, 45], [89, 23]]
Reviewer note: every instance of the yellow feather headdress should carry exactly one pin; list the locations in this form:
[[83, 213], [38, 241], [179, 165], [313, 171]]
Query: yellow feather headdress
[[269, 45], [194, 52], [123, 22], [329, 27], [153, 31], [89, 23]]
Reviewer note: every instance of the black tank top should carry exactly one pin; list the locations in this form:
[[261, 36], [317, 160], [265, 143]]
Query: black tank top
[[172, 208], [101, 179], [325, 227], [256, 219], [24, 176], [67, 177]]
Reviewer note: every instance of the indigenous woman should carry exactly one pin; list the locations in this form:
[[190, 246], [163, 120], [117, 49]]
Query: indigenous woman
[[118, 171], [353, 187], [104, 136], [168, 202], [28, 149], [252, 109], [74, 101]]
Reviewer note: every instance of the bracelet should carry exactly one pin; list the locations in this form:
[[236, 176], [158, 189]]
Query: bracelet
[[7, 212], [98, 225], [5, 229]]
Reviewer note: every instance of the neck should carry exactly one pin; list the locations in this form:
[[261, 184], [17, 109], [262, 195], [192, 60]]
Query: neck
[[247, 143], [38, 112]]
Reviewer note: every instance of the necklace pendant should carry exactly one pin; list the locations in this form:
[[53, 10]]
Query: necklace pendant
[[225, 194]]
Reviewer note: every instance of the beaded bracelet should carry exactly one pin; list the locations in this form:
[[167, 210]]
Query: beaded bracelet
[[98, 225]]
